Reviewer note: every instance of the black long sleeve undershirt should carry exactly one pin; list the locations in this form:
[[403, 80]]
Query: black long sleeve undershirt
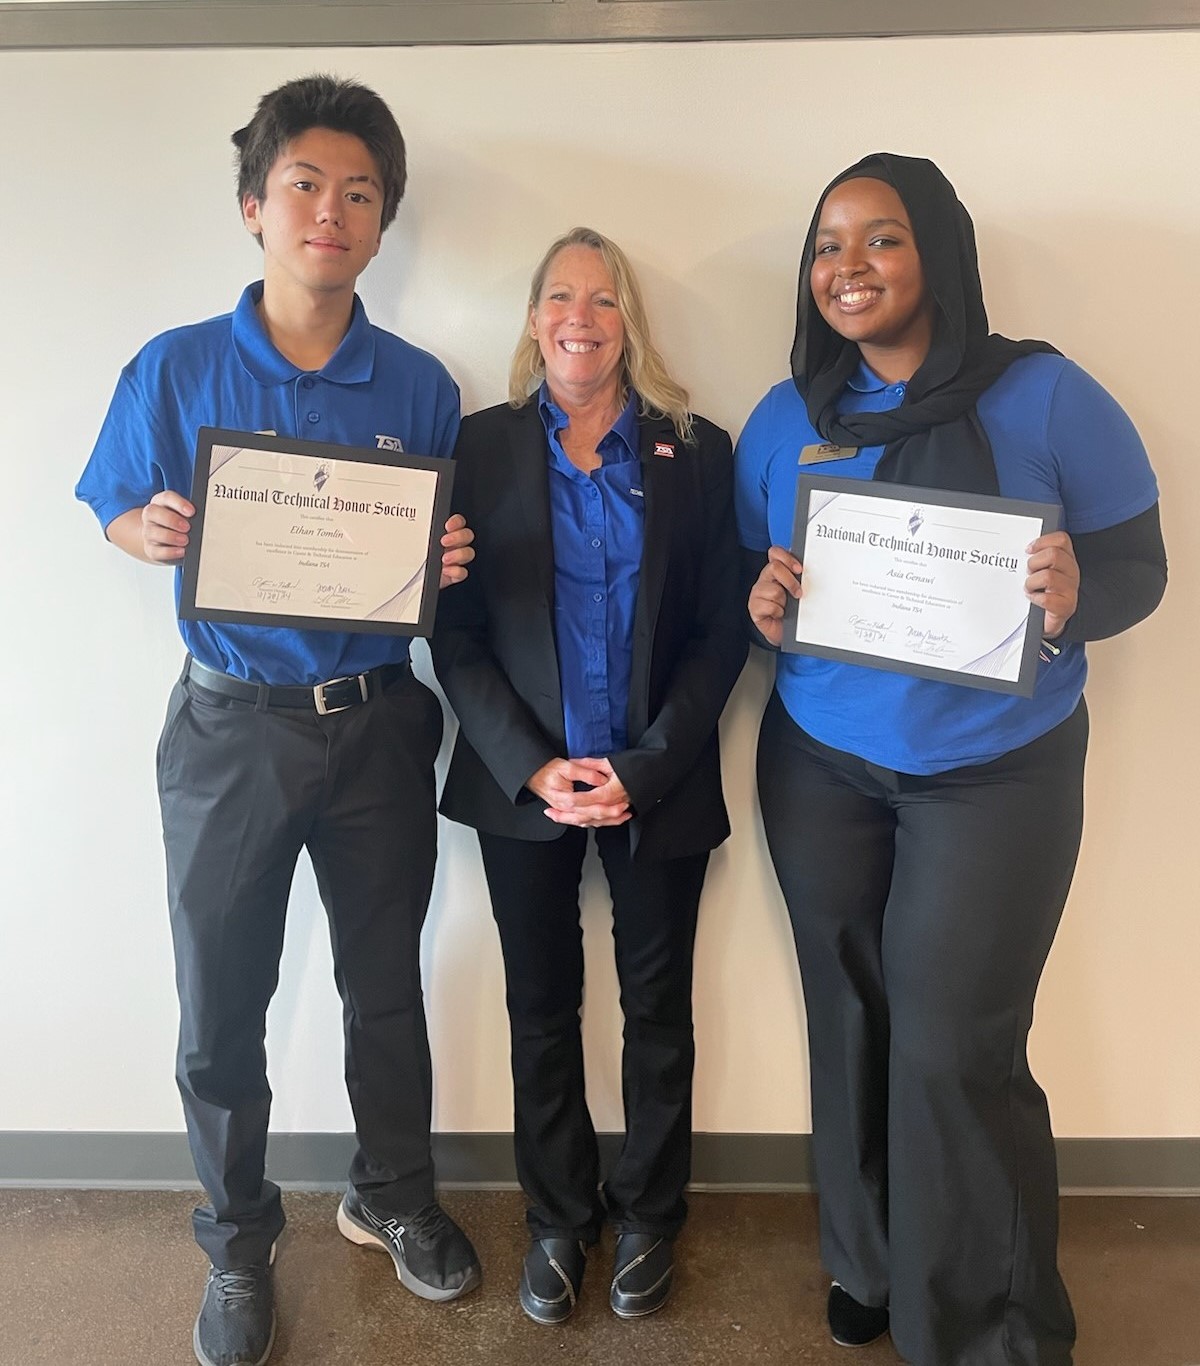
[[1122, 577]]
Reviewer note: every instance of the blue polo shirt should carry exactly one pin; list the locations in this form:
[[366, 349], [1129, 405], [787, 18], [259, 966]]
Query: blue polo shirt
[[596, 523], [376, 390], [1057, 437]]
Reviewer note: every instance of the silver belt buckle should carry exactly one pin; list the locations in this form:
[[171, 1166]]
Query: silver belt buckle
[[319, 694]]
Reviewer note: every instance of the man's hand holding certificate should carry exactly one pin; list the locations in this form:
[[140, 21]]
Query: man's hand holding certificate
[[918, 581]]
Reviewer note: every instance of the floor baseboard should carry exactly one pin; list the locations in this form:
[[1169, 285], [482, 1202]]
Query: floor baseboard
[[769, 1162]]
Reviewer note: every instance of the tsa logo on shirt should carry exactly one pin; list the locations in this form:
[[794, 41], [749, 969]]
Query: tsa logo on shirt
[[388, 443]]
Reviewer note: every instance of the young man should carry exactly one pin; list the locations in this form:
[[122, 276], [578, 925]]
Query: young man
[[276, 739]]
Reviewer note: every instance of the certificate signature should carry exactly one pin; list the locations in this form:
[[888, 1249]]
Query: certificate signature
[[274, 590], [870, 630], [917, 640], [928, 643]]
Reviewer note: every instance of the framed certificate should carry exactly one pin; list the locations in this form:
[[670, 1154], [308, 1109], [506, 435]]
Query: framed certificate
[[316, 536], [919, 581]]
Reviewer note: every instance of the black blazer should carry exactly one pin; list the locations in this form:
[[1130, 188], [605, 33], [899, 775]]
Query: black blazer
[[495, 653]]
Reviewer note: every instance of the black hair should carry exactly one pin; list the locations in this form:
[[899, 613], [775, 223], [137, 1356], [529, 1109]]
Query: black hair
[[321, 102]]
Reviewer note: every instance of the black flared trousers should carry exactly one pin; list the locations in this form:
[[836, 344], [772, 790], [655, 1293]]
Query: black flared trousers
[[923, 909], [534, 888]]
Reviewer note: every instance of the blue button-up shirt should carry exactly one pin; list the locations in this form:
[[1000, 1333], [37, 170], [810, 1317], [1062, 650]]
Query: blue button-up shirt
[[596, 523]]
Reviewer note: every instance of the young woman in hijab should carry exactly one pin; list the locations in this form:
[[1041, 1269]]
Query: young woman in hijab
[[588, 664], [925, 834]]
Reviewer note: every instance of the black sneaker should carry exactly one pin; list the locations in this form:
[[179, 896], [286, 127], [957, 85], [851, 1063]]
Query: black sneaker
[[433, 1256], [236, 1323], [852, 1324], [550, 1279]]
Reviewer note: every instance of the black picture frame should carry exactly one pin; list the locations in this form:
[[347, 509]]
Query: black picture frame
[[210, 439], [1049, 515]]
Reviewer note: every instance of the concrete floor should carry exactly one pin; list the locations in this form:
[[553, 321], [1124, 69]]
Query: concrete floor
[[106, 1278]]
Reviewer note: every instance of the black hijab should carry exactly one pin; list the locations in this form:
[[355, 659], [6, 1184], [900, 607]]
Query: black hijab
[[935, 437]]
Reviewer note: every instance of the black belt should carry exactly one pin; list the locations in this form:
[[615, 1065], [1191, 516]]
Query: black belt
[[336, 695]]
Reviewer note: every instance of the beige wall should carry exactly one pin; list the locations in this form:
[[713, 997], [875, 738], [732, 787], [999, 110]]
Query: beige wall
[[1075, 155]]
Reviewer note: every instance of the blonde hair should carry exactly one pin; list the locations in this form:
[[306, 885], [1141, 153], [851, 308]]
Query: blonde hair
[[642, 368]]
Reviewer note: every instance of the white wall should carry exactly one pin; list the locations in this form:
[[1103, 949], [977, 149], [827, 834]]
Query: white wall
[[117, 218]]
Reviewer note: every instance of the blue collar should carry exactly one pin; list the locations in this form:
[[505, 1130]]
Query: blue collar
[[624, 429], [352, 363], [865, 380]]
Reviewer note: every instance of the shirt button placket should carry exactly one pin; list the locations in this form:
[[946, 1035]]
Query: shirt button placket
[[304, 390]]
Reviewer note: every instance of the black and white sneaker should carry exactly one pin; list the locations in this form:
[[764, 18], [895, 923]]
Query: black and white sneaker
[[852, 1324], [433, 1256], [236, 1323]]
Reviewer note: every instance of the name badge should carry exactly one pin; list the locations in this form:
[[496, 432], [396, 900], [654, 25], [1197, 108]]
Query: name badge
[[818, 455]]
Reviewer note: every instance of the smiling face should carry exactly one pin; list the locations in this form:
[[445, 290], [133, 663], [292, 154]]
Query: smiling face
[[577, 325], [867, 280], [319, 222]]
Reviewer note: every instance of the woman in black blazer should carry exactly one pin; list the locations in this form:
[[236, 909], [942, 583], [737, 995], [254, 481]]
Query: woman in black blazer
[[588, 659]]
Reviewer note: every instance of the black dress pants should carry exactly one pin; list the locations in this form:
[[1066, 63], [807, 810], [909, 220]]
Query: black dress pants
[[923, 909], [242, 791], [535, 899]]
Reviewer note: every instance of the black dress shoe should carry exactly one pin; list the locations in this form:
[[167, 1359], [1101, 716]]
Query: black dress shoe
[[641, 1274], [551, 1278], [853, 1324]]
